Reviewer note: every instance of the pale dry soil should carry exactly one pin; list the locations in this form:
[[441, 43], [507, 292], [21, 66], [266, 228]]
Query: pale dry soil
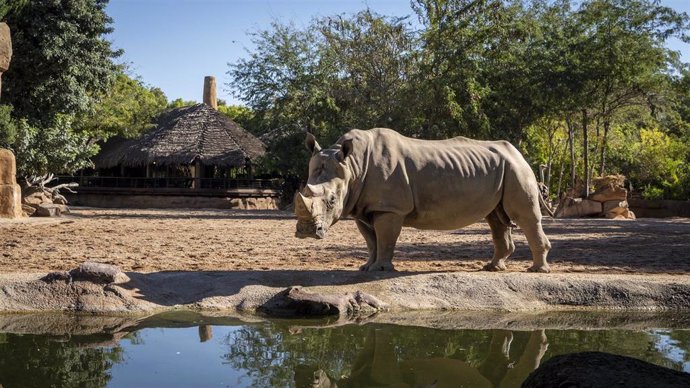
[[224, 240]]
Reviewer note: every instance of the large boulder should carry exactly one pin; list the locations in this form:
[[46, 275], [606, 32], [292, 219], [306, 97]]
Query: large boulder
[[5, 47], [10, 193], [10, 201], [597, 369], [578, 207], [8, 167], [609, 194]]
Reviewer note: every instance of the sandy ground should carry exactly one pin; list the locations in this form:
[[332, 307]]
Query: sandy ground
[[212, 240]]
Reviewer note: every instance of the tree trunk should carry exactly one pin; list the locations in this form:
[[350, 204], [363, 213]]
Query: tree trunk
[[585, 152], [571, 141], [602, 165]]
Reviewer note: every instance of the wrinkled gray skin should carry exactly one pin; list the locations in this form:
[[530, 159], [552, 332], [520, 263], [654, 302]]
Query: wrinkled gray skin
[[386, 181]]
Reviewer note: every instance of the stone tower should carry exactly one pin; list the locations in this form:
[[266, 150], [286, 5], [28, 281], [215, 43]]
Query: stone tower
[[10, 193]]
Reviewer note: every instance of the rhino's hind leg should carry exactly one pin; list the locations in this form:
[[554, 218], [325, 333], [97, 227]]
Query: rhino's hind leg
[[538, 243], [503, 241], [370, 237]]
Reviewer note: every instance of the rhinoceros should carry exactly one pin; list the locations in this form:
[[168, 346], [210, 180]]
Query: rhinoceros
[[385, 181]]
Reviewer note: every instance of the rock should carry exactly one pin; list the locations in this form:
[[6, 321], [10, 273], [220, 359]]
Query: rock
[[10, 201], [5, 47], [624, 214], [597, 369], [236, 203], [60, 200], [28, 210], [35, 196], [48, 210], [608, 181], [617, 207], [295, 302], [8, 167], [578, 207], [99, 273], [610, 194]]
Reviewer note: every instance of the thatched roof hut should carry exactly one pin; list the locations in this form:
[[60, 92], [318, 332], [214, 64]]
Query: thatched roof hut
[[194, 134]]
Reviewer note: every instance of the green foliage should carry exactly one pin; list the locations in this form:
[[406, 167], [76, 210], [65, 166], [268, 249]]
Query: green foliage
[[180, 103], [127, 109], [336, 74], [61, 86], [61, 64], [240, 114], [53, 148], [8, 127]]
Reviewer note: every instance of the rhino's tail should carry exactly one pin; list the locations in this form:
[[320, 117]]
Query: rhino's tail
[[545, 206], [503, 216]]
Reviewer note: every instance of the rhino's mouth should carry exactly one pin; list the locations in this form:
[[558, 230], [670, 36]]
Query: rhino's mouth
[[310, 229]]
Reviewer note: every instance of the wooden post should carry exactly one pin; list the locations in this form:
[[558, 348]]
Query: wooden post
[[197, 174], [210, 92]]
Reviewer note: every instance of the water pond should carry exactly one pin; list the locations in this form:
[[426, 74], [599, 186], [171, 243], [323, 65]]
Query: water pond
[[190, 350]]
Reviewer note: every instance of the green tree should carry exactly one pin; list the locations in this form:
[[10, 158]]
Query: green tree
[[127, 109], [61, 64], [41, 150]]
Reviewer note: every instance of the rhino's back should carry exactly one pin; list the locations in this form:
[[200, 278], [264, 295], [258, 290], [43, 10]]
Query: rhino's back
[[435, 184]]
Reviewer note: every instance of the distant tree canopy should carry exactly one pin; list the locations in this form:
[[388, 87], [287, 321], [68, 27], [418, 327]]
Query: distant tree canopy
[[63, 92], [575, 88]]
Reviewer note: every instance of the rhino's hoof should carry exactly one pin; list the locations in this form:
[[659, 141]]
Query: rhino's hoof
[[376, 267], [491, 267], [541, 268]]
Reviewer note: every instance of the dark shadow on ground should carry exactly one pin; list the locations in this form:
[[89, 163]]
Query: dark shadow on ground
[[169, 288], [646, 245], [178, 214]]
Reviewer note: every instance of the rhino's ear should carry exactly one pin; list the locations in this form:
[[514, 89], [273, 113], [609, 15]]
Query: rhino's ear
[[345, 149], [311, 143]]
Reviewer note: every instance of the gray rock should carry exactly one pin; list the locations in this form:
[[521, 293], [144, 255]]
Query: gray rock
[[99, 273], [48, 210], [597, 369]]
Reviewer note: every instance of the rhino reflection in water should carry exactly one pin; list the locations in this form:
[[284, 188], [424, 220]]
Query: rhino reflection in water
[[386, 181], [377, 365]]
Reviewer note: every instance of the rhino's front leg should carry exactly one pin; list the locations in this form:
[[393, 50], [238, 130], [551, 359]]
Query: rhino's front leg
[[370, 236], [387, 227]]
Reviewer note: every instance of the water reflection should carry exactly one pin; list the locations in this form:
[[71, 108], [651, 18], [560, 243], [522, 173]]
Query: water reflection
[[378, 365], [224, 352]]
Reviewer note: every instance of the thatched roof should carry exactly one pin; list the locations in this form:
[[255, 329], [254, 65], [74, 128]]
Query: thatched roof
[[181, 136]]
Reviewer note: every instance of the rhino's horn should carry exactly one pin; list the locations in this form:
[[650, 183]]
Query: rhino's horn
[[315, 190], [302, 205]]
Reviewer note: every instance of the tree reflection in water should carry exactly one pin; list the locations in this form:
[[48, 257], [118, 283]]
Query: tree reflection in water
[[28, 361], [393, 356]]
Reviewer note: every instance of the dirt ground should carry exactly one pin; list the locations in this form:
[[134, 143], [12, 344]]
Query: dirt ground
[[208, 240]]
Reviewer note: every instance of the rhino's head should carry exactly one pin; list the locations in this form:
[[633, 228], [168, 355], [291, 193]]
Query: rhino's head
[[321, 203]]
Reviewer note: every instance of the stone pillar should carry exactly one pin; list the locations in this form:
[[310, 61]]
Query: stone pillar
[[10, 193], [210, 92], [5, 50]]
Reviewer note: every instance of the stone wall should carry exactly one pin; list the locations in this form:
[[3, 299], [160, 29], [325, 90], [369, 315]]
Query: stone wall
[[659, 208], [172, 201], [10, 193]]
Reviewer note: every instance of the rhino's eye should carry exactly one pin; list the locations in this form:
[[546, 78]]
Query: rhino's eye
[[331, 201]]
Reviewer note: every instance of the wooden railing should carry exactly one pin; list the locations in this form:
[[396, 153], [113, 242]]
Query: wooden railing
[[171, 183]]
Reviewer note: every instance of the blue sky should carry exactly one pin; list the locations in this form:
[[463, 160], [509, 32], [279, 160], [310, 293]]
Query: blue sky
[[173, 44]]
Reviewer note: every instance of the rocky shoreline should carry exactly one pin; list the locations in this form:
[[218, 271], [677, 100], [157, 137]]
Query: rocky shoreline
[[341, 293]]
